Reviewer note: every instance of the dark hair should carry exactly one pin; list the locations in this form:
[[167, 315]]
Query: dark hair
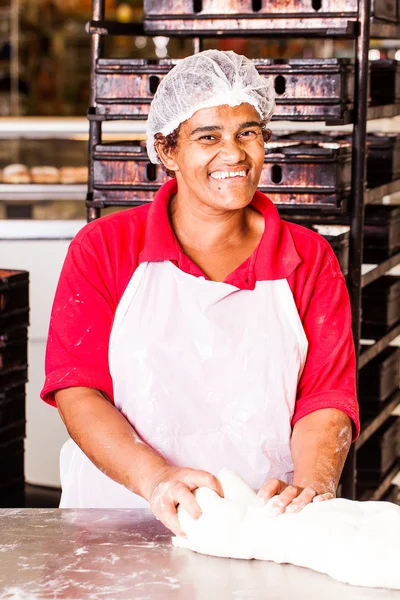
[[170, 142]]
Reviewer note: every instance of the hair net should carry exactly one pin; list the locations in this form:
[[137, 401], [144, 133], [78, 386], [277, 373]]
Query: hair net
[[209, 78]]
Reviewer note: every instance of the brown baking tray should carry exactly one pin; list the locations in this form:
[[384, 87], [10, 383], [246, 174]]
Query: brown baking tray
[[380, 377], [184, 17], [338, 237], [14, 299], [383, 158], [380, 306], [12, 406], [381, 232], [12, 493], [13, 349], [383, 152], [306, 89], [12, 456], [384, 82], [377, 455]]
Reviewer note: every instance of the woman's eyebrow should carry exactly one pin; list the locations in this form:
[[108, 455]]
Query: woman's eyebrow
[[218, 128], [250, 124], [206, 128]]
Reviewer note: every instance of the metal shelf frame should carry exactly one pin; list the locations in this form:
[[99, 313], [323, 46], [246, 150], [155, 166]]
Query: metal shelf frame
[[360, 29]]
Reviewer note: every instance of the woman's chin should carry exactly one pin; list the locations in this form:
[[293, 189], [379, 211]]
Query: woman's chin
[[233, 201]]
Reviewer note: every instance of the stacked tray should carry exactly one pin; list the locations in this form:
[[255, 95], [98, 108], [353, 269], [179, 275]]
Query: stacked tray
[[306, 89], [384, 82], [381, 232], [308, 174], [379, 379], [383, 151], [380, 306], [378, 455], [338, 236], [242, 17], [294, 174], [383, 158], [14, 320]]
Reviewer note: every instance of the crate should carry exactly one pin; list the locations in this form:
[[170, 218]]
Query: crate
[[12, 494], [380, 306], [380, 377], [384, 82], [381, 232], [383, 152], [11, 460], [338, 237], [11, 379], [299, 174], [185, 17], [379, 453], [306, 89], [383, 158], [14, 299], [12, 406], [13, 349], [307, 174]]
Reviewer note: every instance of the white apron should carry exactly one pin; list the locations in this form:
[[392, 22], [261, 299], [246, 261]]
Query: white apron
[[207, 375]]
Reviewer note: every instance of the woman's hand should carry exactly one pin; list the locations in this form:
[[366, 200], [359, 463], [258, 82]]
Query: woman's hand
[[174, 487], [291, 498]]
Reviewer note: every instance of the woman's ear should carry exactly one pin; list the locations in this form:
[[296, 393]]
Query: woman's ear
[[167, 156]]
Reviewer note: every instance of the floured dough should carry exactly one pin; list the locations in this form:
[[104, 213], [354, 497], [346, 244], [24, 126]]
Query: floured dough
[[353, 542]]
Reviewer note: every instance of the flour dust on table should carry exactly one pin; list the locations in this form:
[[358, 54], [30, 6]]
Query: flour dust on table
[[353, 542]]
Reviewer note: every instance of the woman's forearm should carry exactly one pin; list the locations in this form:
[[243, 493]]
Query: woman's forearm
[[320, 444], [108, 439]]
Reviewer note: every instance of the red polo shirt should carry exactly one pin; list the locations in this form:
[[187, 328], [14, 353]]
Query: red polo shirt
[[105, 253]]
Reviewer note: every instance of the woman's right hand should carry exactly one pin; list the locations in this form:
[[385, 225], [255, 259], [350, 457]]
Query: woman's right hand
[[174, 487]]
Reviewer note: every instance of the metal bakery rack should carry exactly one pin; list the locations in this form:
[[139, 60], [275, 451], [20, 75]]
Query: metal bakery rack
[[335, 184]]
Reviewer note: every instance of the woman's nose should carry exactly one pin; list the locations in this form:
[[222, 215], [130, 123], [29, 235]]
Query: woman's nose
[[232, 150]]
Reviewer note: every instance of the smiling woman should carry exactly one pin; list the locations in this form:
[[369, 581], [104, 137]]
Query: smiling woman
[[209, 334]]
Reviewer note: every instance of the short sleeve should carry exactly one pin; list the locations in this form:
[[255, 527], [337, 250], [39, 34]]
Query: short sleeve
[[80, 324], [329, 375]]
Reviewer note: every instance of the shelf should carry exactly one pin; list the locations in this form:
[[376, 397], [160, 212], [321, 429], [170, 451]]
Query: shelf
[[385, 484], [381, 344], [373, 425], [13, 192], [62, 127], [380, 270], [375, 195], [37, 229]]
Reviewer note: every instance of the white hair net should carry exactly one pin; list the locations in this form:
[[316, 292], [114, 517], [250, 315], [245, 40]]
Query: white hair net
[[209, 78]]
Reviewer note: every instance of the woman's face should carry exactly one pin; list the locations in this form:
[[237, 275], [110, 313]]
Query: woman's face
[[219, 157]]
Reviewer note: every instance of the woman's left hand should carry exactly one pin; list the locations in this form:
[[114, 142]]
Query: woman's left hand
[[290, 498]]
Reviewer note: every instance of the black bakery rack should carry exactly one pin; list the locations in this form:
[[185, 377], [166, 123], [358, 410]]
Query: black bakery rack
[[345, 204]]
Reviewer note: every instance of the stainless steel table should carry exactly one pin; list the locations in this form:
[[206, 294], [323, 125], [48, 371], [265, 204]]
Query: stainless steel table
[[91, 554]]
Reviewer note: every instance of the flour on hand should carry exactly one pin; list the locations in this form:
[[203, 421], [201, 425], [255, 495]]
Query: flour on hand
[[353, 542]]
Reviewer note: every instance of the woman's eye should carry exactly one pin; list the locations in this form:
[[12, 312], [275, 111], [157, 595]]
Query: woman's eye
[[248, 133], [207, 137]]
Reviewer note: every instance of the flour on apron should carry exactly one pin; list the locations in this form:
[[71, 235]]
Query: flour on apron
[[207, 375]]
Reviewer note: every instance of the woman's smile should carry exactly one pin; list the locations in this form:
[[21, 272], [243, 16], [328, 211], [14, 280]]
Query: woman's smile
[[230, 175]]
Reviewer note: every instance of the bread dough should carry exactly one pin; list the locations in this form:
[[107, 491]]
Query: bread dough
[[353, 542]]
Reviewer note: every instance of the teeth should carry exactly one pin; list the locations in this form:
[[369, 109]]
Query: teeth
[[226, 174]]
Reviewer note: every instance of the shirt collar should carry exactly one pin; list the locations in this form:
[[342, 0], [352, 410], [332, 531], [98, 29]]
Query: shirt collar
[[275, 258]]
